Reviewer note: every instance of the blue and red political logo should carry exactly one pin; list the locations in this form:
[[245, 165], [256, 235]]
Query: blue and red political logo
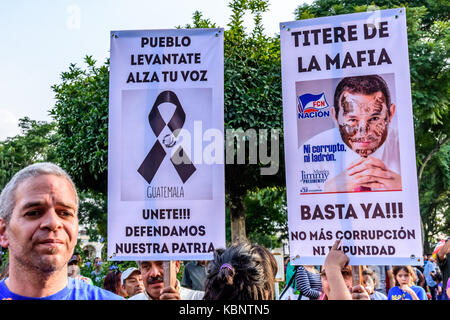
[[312, 106]]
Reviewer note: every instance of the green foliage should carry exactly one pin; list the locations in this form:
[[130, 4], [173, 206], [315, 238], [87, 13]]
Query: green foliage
[[266, 216], [4, 259], [436, 9], [429, 51], [435, 198], [93, 214], [252, 98], [252, 73], [34, 143], [199, 22], [81, 111]]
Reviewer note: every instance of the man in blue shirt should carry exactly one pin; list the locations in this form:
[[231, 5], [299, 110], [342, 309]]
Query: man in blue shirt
[[194, 275], [429, 272], [39, 226]]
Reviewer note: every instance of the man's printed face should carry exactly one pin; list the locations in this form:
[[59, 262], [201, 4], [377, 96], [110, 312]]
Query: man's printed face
[[363, 121]]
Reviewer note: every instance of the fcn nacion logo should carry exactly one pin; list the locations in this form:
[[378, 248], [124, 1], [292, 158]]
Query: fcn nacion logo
[[312, 105]]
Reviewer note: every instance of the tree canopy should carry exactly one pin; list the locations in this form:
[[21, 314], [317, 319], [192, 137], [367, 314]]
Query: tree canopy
[[81, 114], [34, 143]]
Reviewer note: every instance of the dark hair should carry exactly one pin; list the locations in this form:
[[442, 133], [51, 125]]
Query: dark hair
[[362, 84], [437, 277], [408, 269], [270, 267], [112, 281], [369, 272], [235, 273]]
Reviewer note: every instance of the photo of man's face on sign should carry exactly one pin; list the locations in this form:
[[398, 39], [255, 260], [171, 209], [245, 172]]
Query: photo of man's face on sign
[[356, 138], [363, 111]]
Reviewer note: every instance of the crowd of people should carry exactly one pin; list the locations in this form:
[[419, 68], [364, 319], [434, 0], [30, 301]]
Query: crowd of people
[[426, 282], [39, 226]]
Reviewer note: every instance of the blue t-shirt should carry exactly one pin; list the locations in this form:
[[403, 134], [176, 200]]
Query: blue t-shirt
[[75, 290], [396, 293]]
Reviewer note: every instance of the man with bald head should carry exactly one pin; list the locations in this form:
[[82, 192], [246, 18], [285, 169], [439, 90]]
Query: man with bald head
[[39, 226]]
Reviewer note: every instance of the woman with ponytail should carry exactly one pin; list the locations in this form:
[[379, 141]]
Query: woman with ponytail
[[236, 273]]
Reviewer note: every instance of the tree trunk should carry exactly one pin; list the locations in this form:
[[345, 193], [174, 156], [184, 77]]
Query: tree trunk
[[428, 157], [425, 242], [237, 218]]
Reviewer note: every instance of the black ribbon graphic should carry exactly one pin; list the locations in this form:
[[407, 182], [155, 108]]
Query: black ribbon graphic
[[155, 157]]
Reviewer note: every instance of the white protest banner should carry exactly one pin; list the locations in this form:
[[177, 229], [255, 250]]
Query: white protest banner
[[166, 197], [349, 139]]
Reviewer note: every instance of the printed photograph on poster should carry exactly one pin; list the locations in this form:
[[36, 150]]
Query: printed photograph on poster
[[150, 118], [348, 134]]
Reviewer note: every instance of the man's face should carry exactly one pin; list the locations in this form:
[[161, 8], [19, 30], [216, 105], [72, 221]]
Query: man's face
[[326, 286], [363, 121], [43, 229], [73, 270], [97, 262], [133, 284], [153, 277]]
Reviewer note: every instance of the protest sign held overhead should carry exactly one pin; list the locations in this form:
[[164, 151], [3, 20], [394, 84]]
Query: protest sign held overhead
[[349, 139], [166, 197]]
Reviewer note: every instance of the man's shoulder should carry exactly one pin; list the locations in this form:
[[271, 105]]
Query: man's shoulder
[[75, 290], [190, 265]]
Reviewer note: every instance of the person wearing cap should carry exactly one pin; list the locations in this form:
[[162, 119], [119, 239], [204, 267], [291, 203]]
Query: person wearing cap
[[39, 226], [131, 280], [153, 276], [73, 270]]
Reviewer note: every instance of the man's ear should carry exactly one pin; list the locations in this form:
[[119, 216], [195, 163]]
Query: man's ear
[[391, 112], [3, 237]]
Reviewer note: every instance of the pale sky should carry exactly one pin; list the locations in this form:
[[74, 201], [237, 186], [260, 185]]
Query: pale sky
[[40, 38]]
